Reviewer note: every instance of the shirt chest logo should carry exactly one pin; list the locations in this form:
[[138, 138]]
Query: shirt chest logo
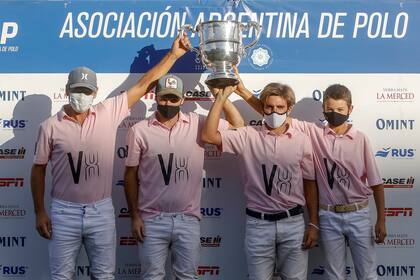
[[279, 179], [176, 168]]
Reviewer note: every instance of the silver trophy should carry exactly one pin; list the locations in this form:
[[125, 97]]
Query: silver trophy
[[221, 48]]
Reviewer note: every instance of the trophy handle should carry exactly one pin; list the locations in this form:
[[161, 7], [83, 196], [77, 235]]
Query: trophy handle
[[185, 28], [257, 27]]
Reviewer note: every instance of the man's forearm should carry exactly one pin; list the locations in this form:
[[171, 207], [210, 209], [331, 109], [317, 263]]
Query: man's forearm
[[232, 115], [210, 132], [379, 196], [38, 188], [254, 102], [311, 197], [131, 192]]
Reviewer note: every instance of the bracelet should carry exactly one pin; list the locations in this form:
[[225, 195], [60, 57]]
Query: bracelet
[[313, 225]]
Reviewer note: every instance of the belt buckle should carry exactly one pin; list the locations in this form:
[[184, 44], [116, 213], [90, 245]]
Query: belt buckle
[[340, 208]]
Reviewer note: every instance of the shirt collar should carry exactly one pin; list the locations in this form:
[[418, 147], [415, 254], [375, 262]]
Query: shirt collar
[[63, 115], [350, 133], [290, 132], [153, 120]]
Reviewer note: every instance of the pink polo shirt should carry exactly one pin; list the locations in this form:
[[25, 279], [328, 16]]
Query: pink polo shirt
[[344, 164], [170, 164], [82, 156], [273, 167]]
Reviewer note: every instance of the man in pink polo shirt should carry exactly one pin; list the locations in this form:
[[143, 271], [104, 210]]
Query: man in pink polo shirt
[[346, 175], [163, 182], [279, 178], [79, 142]]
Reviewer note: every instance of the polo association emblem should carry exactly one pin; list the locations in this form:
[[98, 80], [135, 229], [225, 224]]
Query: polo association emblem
[[171, 83], [260, 57]]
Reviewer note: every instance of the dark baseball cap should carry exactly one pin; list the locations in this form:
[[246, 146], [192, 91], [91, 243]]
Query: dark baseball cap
[[170, 84], [82, 77]]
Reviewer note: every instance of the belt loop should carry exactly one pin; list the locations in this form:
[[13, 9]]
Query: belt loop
[[262, 216], [288, 213], [357, 206]]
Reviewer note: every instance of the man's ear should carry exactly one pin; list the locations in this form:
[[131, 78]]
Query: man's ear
[[182, 101], [350, 109], [95, 93], [289, 110]]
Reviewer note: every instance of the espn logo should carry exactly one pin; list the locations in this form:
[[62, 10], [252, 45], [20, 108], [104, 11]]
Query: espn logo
[[397, 212], [11, 182], [209, 270], [127, 241]]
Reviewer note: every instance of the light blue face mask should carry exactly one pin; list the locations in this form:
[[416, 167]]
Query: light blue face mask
[[275, 120], [80, 102]]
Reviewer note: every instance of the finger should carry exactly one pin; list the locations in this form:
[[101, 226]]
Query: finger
[[136, 234], [142, 235], [44, 231]]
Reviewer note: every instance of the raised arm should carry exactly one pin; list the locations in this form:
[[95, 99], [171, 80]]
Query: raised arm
[[233, 116], [179, 47], [243, 92], [210, 132]]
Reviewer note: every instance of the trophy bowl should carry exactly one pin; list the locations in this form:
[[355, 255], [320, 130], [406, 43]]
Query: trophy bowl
[[221, 48]]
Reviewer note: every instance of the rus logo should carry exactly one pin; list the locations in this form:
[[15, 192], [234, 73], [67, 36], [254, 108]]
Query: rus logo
[[211, 212]]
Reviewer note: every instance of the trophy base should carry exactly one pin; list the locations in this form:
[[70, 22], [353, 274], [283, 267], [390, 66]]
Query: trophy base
[[221, 80]]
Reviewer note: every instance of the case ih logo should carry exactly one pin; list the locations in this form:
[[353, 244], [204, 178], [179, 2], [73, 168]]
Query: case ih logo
[[11, 182], [208, 270], [211, 241], [124, 213], [127, 241], [198, 95], [12, 153], [398, 183], [398, 212]]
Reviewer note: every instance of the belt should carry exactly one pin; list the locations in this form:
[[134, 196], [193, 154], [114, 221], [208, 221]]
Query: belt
[[275, 216], [345, 208]]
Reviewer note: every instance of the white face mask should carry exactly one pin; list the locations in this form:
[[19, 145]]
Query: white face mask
[[275, 120], [80, 102]]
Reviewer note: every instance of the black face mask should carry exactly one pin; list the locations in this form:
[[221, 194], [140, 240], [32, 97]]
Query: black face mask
[[168, 112], [335, 119]]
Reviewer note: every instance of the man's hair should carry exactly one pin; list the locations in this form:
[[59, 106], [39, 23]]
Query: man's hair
[[337, 92], [278, 89]]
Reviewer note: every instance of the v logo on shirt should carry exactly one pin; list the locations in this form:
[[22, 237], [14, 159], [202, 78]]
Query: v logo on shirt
[[283, 182], [181, 168], [341, 174], [91, 165]]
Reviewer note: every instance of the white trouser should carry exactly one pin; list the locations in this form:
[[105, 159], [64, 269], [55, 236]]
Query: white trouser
[[357, 228], [74, 224], [276, 244], [178, 232]]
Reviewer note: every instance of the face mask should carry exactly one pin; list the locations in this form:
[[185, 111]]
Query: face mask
[[275, 120], [168, 112], [80, 102], [335, 119]]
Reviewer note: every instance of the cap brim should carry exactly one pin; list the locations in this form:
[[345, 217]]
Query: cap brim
[[85, 85], [167, 91]]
